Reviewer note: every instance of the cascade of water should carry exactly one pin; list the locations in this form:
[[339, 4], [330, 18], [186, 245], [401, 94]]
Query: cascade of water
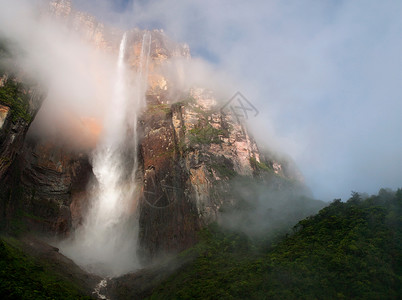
[[144, 59], [142, 86], [106, 243]]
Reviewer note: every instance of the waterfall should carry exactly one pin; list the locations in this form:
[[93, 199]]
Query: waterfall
[[142, 82], [106, 243]]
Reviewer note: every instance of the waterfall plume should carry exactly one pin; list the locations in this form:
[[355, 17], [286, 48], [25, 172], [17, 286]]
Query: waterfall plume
[[106, 242]]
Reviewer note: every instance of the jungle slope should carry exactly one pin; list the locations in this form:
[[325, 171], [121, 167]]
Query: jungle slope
[[348, 250], [31, 269]]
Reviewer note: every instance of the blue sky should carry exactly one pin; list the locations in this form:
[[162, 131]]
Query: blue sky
[[325, 76]]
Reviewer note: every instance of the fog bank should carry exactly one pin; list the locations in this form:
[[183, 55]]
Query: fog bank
[[325, 77]]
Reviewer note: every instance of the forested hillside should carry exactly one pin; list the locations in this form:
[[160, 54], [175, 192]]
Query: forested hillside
[[348, 250]]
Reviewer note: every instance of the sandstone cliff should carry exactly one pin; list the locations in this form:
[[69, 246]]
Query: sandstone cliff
[[190, 153], [40, 181], [19, 103]]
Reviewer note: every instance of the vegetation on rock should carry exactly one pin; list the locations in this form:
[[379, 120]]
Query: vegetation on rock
[[205, 134], [156, 108], [224, 170], [260, 166], [14, 95], [186, 101]]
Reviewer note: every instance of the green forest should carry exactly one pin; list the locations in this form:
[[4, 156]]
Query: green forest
[[349, 250], [24, 277]]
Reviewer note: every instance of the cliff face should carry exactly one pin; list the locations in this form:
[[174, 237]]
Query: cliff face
[[190, 151], [19, 103], [91, 30], [44, 189], [18, 106], [52, 186], [43, 185]]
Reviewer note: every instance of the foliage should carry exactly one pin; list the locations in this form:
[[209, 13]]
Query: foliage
[[13, 95], [186, 101], [348, 250], [223, 170], [21, 277], [259, 165], [205, 134], [155, 108]]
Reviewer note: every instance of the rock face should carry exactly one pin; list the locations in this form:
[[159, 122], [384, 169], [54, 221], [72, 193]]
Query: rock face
[[40, 181], [53, 186], [190, 151], [12, 137], [18, 106], [44, 187], [91, 30]]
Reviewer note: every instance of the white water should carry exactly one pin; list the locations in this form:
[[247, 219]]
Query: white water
[[98, 289], [106, 243]]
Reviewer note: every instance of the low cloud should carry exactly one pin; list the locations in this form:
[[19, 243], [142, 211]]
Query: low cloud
[[264, 211], [76, 75], [325, 77]]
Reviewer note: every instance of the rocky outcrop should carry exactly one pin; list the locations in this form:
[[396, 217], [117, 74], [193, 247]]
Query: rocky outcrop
[[98, 34], [19, 104], [191, 151], [39, 181], [164, 201], [53, 186], [43, 182], [12, 138], [45, 189]]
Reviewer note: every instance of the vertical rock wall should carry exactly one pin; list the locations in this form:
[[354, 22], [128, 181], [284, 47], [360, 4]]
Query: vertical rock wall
[[189, 153]]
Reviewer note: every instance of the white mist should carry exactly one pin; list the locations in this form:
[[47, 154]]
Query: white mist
[[106, 243]]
